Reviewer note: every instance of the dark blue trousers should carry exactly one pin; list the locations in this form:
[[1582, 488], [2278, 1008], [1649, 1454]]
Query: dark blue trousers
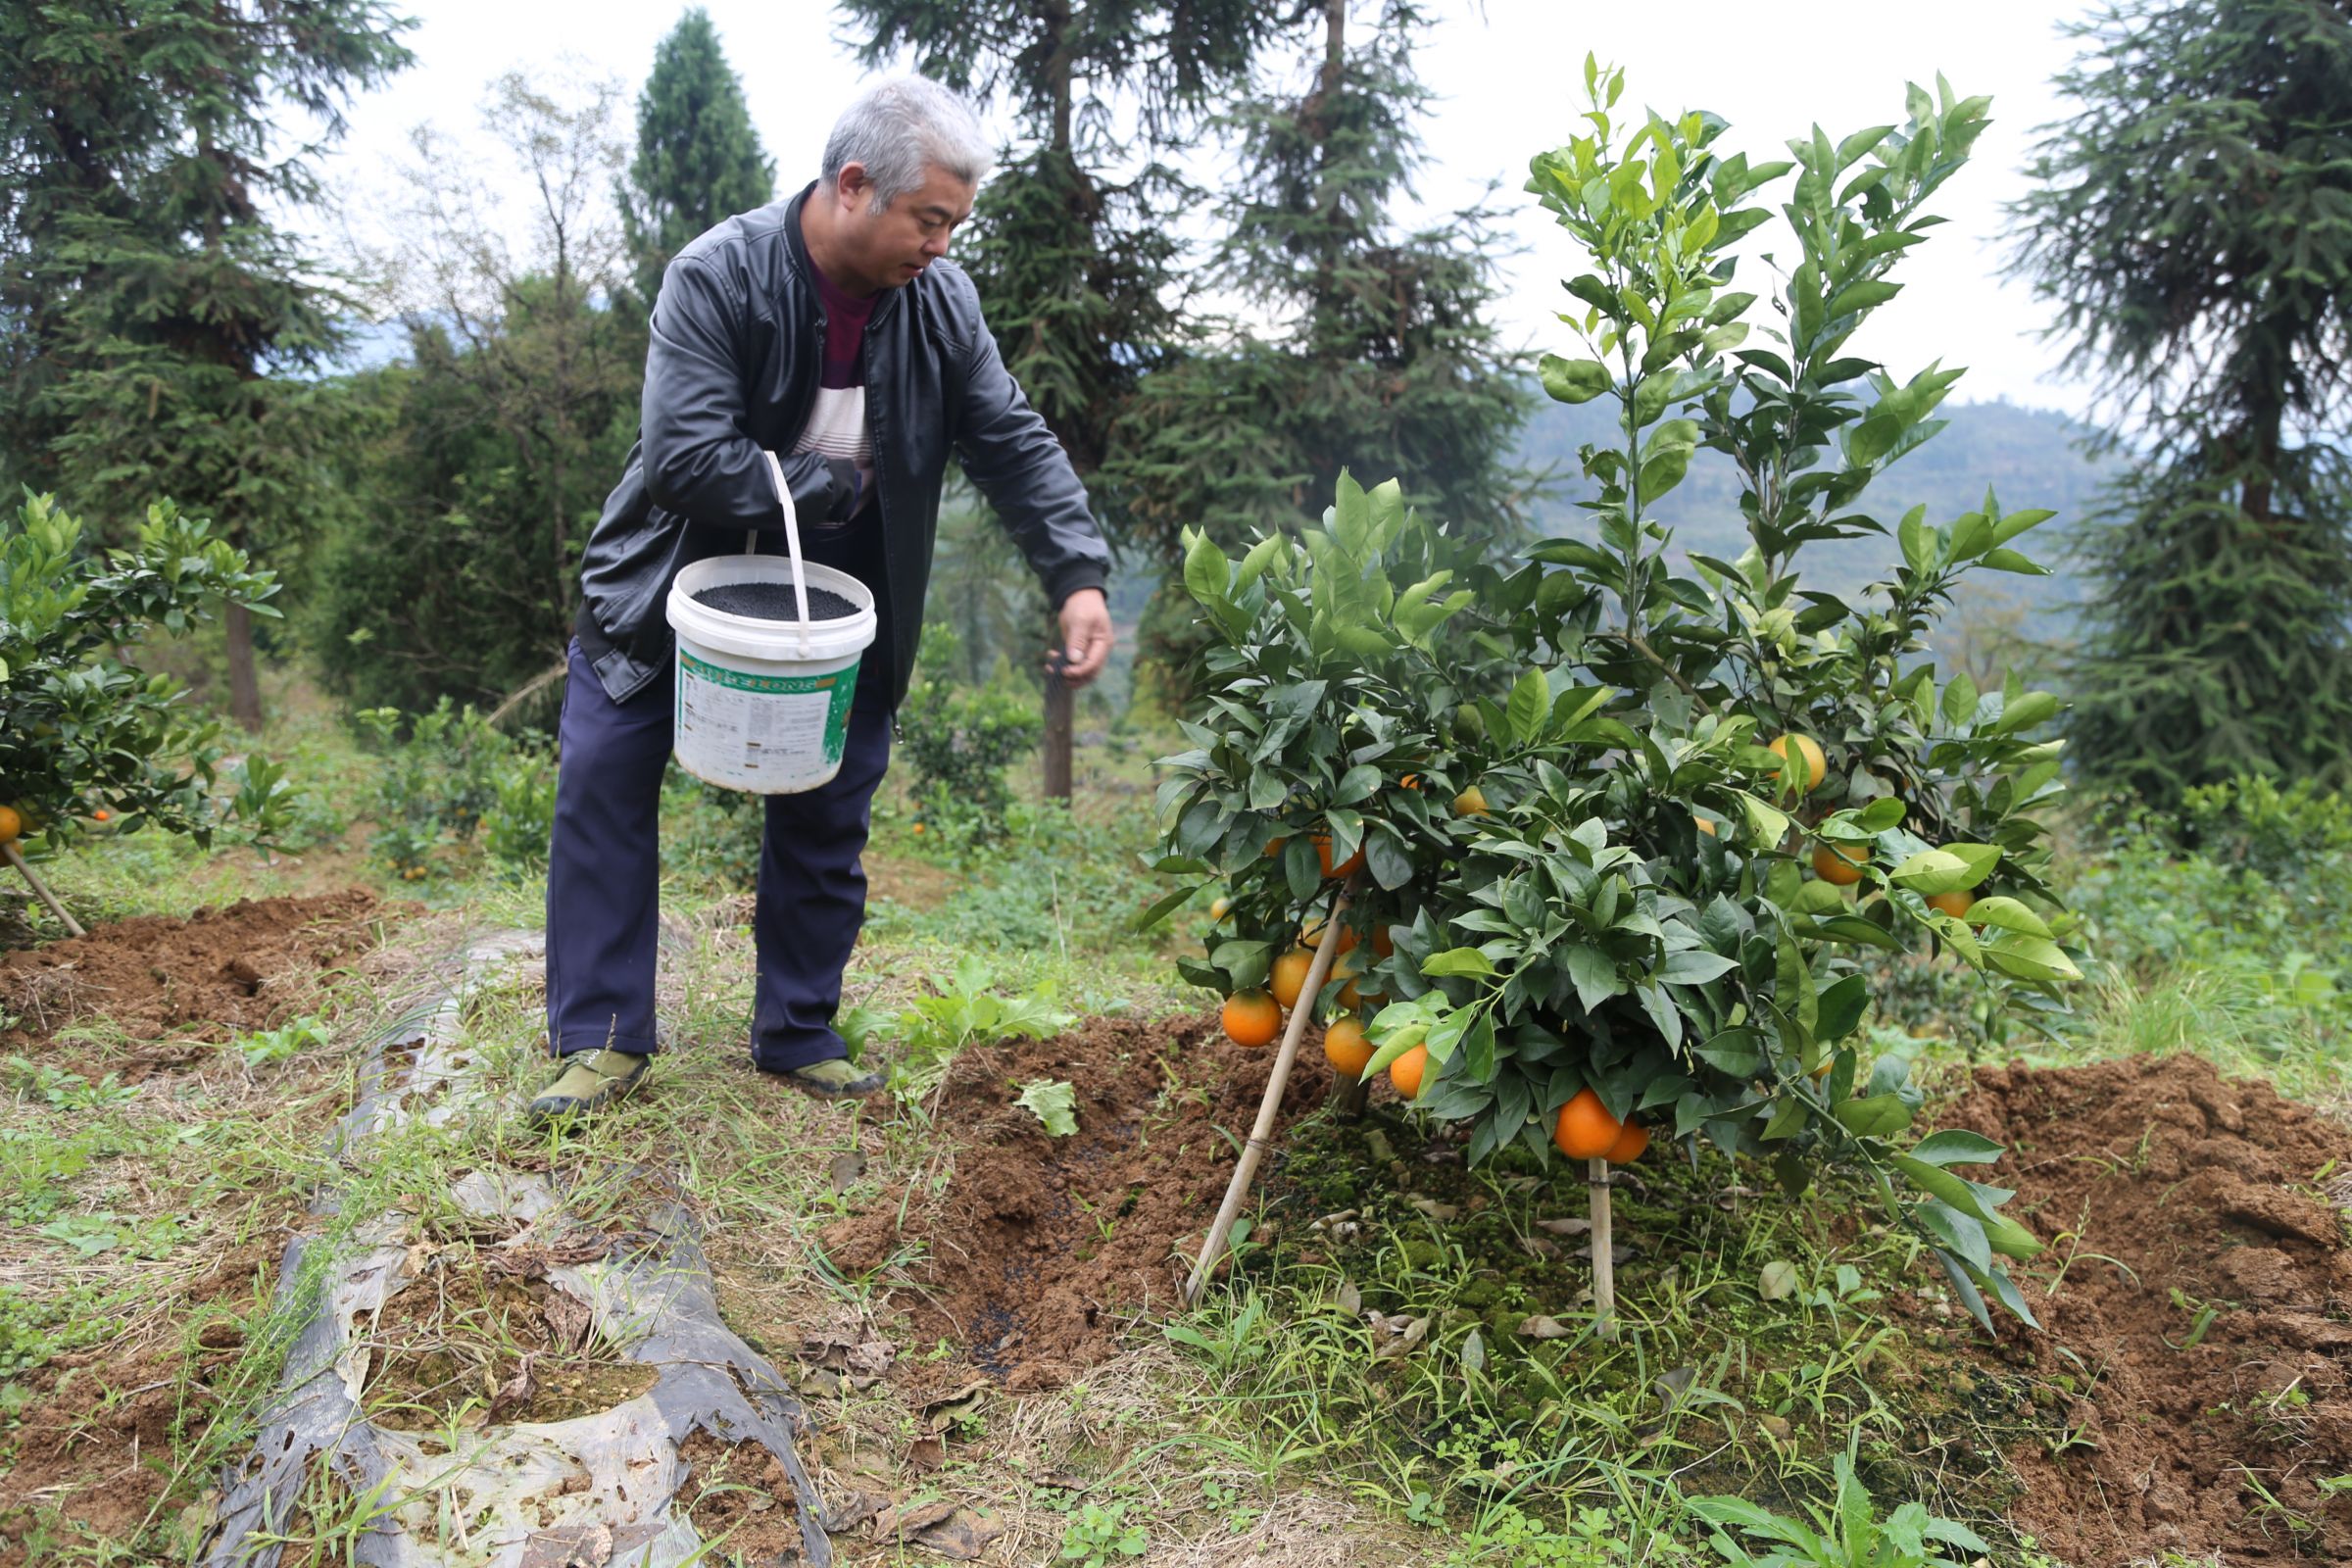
[[605, 871]]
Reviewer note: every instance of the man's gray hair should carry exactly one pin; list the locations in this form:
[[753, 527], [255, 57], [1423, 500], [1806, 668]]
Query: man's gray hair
[[900, 127]]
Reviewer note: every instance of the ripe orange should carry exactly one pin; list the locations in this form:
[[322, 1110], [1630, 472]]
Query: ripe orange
[[1346, 1047], [1585, 1129], [1472, 802], [1406, 1071], [1274, 846], [10, 824], [1817, 767], [1290, 975], [1219, 910], [1838, 865], [1351, 997], [1312, 936], [1383, 945], [1252, 1019], [1955, 904], [1628, 1144], [1352, 864], [918, 827], [102, 814], [1706, 824], [1411, 781]]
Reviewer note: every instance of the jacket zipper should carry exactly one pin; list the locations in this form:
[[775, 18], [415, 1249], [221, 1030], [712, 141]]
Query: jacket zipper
[[881, 491]]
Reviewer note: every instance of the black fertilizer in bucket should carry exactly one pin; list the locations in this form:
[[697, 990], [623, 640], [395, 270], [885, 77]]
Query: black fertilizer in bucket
[[773, 601]]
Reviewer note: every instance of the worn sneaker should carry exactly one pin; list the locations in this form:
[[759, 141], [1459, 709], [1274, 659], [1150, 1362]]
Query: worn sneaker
[[590, 1081], [832, 1079]]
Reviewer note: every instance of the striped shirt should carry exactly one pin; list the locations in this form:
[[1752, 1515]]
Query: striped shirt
[[836, 425]]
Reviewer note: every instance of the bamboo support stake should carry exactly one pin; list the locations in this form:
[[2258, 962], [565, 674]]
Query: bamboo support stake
[[1604, 1251], [1212, 1249], [16, 859]]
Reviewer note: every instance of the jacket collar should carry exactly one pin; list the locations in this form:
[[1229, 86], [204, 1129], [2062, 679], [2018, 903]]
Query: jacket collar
[[806, 264]]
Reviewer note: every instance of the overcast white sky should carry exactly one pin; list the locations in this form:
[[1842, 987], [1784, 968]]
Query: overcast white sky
[[1508, 78]]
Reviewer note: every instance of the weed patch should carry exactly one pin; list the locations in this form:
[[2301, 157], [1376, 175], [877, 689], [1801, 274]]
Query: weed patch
[[467, 1343]]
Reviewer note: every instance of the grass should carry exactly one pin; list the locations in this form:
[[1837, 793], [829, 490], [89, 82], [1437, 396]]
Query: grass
[[1574, 1445], [1357, 1390]]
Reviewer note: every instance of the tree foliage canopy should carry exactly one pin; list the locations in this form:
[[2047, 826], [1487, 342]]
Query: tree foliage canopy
[[156, 314], [2193, 227], [2192, 221], [454, 567], [1377, 348], [699, 160]]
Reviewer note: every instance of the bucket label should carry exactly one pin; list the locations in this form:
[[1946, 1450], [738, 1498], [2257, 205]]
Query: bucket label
[[771, 733]]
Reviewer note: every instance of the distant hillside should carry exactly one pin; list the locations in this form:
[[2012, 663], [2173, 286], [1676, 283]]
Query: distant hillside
[[2027, 455]]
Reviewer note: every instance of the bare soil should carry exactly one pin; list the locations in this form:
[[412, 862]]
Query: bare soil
[[173, 984], [93, 1448], [2163, 1190], [738, 1495], [1039, 1248]]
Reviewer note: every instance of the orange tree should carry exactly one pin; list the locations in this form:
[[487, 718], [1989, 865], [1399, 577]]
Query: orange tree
[[1629, 907], [80, 729]]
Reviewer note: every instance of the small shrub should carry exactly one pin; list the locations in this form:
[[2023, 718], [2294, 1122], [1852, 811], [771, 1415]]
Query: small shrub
[[2246, 889], [712, 833], [442, 775], [961, 739], [523, 816], [80, 730]]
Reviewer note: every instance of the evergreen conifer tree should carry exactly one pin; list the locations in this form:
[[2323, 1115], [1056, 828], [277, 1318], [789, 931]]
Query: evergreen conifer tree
[[1075, 263], [699, 160], [1381, 358], [158, 320], [2190, 227]]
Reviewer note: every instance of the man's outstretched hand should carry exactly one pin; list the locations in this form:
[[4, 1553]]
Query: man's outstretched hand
[[1085, 636]]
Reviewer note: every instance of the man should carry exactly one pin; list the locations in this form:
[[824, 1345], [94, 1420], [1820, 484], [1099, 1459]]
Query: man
[[828, 330]]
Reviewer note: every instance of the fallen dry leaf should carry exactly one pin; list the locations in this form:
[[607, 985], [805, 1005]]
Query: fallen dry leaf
[[955, 1533], [568, 1319], [848, 1513], [941, 1414], [516, 1393]]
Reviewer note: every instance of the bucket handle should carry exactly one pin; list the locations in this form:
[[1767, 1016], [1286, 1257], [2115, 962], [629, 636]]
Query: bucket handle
[[792, 544]]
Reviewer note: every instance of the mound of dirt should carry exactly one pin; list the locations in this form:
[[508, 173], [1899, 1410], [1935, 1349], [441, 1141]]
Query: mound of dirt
[[2206, 1301], [211, 976], [1038, 1244]]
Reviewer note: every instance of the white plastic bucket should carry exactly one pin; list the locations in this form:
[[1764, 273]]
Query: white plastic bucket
[[763, 706]]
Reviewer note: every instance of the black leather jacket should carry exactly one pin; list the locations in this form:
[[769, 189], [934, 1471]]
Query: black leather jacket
[[738, 337]]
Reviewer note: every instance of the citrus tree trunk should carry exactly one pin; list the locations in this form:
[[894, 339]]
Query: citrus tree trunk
[[244, 685]]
